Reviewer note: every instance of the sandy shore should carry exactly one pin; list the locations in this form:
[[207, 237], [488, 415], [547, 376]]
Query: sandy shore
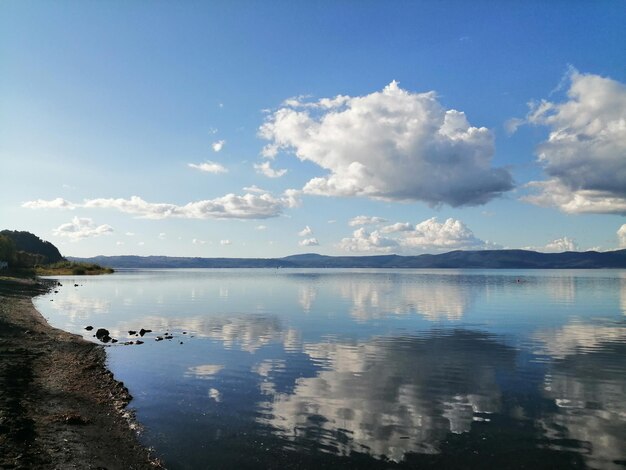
[[59, 405]]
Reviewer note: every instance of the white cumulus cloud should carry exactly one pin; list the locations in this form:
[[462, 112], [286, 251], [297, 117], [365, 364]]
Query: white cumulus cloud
[[585, 153], [561, 244], [305, 232], [209, 167], [393, 145], [218, 145], [266, 169], [309, 242], [397, 227], [364, 241], [225, 242], [230, 206], [197, 241], [427, 236], [80, 228]]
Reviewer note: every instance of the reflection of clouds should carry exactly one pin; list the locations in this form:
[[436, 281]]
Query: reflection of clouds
[[589, 390], [204, 371], [562, 288], [433, 300], [306, 296], [215, 394], [578, 337], [388, 397], [622, 292], [75, 306], [246, 332]]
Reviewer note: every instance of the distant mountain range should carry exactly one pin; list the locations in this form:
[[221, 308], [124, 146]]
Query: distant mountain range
[[487, 259]]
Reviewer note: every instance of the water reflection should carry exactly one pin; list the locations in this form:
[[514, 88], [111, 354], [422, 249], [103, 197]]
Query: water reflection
[[395, 295], [243, 332], [591, 405], [415, 367], [623, 293], [390, 396]]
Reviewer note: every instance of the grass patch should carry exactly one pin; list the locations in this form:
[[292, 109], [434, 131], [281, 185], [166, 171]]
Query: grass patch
[[71, 268]]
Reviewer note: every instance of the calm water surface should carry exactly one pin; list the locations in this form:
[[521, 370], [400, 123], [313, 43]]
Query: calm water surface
[[366, 369]]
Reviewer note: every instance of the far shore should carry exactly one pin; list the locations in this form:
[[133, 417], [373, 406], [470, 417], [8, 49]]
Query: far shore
[[60, 407]]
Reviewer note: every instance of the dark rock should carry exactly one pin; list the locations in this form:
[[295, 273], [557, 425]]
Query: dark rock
[[159, 338], [168, 336], [89, 328], [184, 332], [143, 332], [113, 340], [139, 342], [56, 291], [101, 333], [181, 342], [75, 285], [132, 332], [59, 284], [105, 339]]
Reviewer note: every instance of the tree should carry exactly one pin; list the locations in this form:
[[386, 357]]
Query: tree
[[7, 249]]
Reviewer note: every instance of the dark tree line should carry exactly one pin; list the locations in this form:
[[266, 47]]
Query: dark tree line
[[12, 242]]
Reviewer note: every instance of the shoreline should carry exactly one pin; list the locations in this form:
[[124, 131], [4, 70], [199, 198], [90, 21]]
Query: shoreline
[[60, 406]]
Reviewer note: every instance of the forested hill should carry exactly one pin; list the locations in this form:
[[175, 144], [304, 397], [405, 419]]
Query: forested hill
[[30, 243], [487, 259]]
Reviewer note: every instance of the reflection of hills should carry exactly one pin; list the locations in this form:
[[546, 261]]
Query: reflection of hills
[[589, 391], [391, 396]]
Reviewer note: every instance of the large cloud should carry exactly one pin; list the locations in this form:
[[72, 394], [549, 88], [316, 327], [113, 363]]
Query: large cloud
[[231, 206], [429, 235], [80, 228], [391, 144], [585, 154]]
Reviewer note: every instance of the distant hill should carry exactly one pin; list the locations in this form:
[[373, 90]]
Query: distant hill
[[487, 259], [33, 245]]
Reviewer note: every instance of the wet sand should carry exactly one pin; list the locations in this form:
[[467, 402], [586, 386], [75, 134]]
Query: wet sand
[[59, 405]]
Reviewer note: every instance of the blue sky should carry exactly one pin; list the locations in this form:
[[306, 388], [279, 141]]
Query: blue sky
[[353, 127]]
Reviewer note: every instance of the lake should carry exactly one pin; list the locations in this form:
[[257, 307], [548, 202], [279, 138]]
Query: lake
[[279, 368]]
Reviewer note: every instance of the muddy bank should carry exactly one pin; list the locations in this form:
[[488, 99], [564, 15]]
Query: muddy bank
[[59, 405]]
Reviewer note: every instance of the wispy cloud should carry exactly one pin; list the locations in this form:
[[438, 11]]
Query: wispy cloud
[[365, 220], [208, 167], [230, 206], [58, 203]]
